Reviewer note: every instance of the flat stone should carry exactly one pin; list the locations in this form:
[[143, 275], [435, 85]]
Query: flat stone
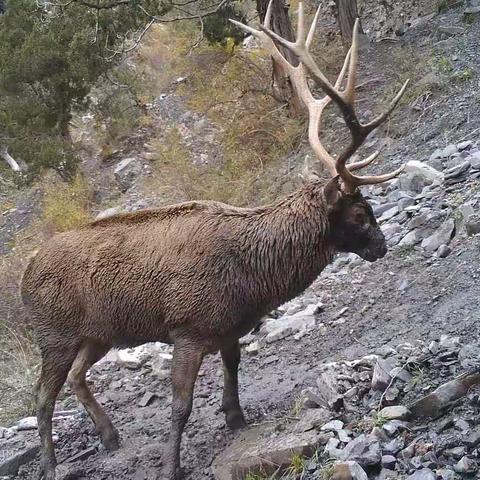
[[27, 423], [451, 30], [332, 426], [147, 399], [311, 419], [262, 450], [396, 412], [429, 173], [11, 460], [439, 400], [441, 237], [82, 455], [389, 461], [287, 325], [423, 474], [472, 439], [364, 449]]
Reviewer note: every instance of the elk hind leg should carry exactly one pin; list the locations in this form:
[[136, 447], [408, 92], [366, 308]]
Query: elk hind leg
[[90, 353], [52, 377]]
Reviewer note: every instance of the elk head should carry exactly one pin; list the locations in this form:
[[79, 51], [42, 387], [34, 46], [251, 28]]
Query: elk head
[[352, 225]]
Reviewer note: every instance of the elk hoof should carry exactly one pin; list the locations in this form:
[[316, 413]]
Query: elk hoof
[[170, 474], [236, 420], [111, 441], [47, 469]]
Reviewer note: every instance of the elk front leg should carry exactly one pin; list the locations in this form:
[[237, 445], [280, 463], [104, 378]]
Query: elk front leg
[[231, 403], [187, 358]]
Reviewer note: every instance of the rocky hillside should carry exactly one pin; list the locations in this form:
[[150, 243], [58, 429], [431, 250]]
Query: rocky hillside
[[373, 372]]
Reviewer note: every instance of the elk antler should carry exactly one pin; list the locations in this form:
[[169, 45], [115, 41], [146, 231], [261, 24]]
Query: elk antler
[[343, 99]]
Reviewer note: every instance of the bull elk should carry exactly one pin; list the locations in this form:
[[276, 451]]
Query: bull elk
[[198, 274]]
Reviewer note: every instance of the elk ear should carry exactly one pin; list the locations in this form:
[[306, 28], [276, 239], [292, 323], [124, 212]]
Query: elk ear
[[332, 191]]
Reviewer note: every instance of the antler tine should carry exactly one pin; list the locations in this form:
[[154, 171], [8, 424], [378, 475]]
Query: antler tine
[[382, 117], [349, 94], [363, 163], [313, 26], [301, 25], [268, 14]]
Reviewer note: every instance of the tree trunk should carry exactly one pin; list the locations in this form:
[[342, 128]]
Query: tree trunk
[[347, 14], [9, 159], [2, 6], [282, 26]]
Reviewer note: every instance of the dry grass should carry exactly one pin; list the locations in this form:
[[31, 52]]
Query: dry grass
[[65, 205], [18, 357]]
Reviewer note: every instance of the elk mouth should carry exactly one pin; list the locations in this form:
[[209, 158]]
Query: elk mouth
[[373, 254]]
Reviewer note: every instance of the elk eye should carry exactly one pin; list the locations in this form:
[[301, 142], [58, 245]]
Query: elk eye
[[360, 217]]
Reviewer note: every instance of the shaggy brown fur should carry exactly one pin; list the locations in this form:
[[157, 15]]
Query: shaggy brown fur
[[197, 274]]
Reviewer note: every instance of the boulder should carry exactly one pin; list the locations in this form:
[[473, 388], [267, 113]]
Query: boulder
[[441, 237], [263, 450], [364, 449], [429, 174]]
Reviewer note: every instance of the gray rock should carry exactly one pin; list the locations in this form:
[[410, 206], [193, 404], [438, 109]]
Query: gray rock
[[413, 182], [441, 237], [387, 474], [331, 449], [289, 324], [451, 30], [27, 423], [469, 356], [364, 449], [458, 170], [11, 460], [381, 373], [472, 439], [443, 251], [449, 150], [312, 418], [378, 210], [393, 446], [423, 474], [435, 403], [327, 391], [126, 172], [472, 10], [466, 465], [332, 426], [389, 214], [474, 159], [405, 202], [395, 412], [446, 474], [264, 449], [464, 145], [388, 461], [472, 225], [410, 239]]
